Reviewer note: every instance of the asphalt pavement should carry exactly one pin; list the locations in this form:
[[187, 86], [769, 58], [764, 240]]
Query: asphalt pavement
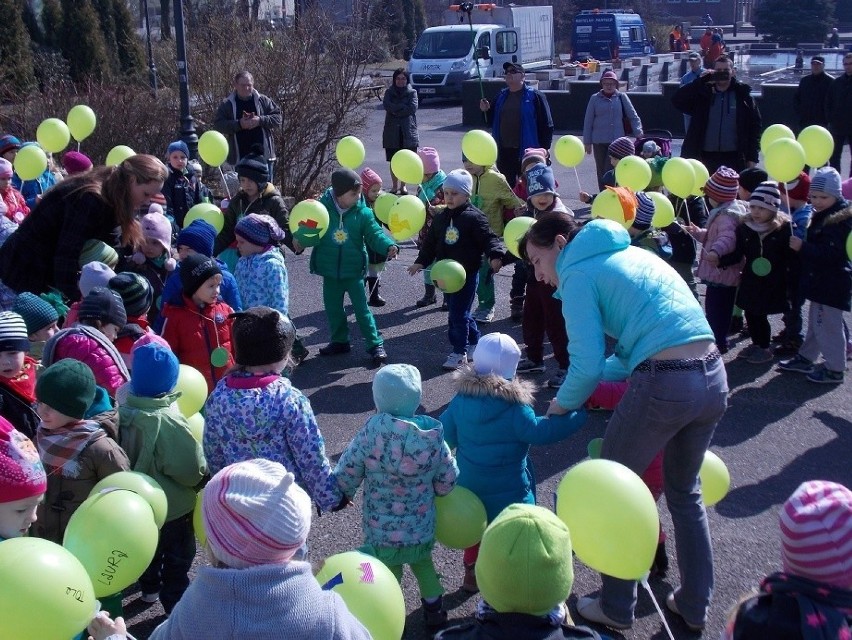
[[779, 429]]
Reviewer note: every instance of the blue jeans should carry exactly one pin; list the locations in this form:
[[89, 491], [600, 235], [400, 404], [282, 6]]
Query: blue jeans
[[677, 412], [462, 327]]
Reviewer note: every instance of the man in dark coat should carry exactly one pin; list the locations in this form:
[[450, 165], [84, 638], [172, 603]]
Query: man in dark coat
[[838, 109], [811, 95]]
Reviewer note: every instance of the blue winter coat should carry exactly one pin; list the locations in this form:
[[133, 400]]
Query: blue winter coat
[[491, 424], [32, 189]]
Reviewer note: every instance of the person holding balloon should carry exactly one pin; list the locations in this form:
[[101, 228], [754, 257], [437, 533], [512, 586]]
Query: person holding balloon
[[677, 385], [183, 188], [15, 207], [432, 194], [23, 482], [371, 188], [34, 189]]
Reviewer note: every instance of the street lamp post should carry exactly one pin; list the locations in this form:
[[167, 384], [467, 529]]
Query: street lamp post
[[187, 124], [152, 67]]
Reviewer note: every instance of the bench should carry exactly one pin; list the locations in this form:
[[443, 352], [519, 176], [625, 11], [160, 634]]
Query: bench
[[372, 90]]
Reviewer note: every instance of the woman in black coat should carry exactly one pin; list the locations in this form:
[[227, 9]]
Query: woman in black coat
[[400, 131]]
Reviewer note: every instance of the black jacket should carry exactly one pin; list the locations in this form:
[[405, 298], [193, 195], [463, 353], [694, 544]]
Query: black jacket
[[400, 118], [826, 268], [810, 99], [468, 241], [227, 122], [516, 626], [838, 105], [683, 246], [182, 191], [20, 413], [695, 99]]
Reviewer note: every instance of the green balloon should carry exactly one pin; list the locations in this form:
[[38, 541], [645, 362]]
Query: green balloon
[[140, 484], [448, 275], [119, 154], [715, 479], [460, 518], [594, 448], [81, 121]]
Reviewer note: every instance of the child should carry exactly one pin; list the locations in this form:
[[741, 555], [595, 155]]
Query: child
[[77, 453], [763, 240], [9, 147], [812, 596], [22, 482], [404, 463], [491, 194], [491, 424], [618, 149], [542, 313], [641, 233], [137, 296], [98, 251], [182, 188], [460, 232], [41, 319], [158, 442], [341, 259], [17, 375], [154, 261], [75, 163], [719, 238], [650, 149], [256, 518], [261, 274], [432, 195], [256, 412], [825, 281], [526, 573], [33, 190], [15, 205], [371, 188], [199, 328], [92, 274]]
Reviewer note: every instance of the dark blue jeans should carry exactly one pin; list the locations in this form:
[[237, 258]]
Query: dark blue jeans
[[718, 307], [168, 571], [462, 331]]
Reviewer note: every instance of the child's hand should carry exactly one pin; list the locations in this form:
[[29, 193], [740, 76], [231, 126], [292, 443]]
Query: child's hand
[[555, 409], [102, 627], [796, 243], [712, 258], [393, 252], [690, 228], [415, 269], [496, 264], [585, 197], [298, 248]]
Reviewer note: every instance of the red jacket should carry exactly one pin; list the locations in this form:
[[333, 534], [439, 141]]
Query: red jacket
[[194, 333], [127, 338], [16, 205]]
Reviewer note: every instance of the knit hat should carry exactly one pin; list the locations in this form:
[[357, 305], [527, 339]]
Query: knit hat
[[135, 291], [261, 336], [798, 188], [155, 371], [723, 185], [259, 229], [397, 390], [496, 353], [525, 563], [67, 386], [94, 274], [254, 513], [21, 472], [178, 145], [430, 158], [621, 148], [36, 312], [751, 177], [6, 169], [343, 181], [76, 162], [766, 195], [816, 533], [539, 179], [199, 235], [149, 338], [644, 211], [98, 251], [533, 156], [827, 180], [254, 166], [369, 178], [13, 332], [8, 143], [459, 180], [105, 305], [195, 271], [157, 227], [609, 75]]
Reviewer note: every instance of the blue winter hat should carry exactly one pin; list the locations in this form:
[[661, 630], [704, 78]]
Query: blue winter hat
[[155, 370], [397, 390], [178, 145], [9, 142], [539, 178], [827, 180], [199, 236]]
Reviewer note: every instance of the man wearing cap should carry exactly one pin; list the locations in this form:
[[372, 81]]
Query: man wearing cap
[[689, 76], [838, 107], [810, 98], [520, 119]]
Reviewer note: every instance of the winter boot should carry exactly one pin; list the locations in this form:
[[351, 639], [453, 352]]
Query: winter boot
[[428, 297], [373, 289]]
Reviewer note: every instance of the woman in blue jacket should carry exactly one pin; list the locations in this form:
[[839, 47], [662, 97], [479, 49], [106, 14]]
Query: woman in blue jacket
[[678, 386]]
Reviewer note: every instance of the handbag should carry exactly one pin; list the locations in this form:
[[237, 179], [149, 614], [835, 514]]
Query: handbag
[[625, 121]]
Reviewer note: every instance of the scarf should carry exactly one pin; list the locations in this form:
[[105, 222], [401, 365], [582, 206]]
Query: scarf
[[819, 604], [23, 384], [763, 228], [61, 448]]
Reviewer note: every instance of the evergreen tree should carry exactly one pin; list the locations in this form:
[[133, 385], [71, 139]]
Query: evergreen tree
[[51, 21], [419, 19], [16, 71], [82, 42], [388, 16], [31, 22], [408, 34], [166, 19], [131, 59], [790, 22], [105, 18]]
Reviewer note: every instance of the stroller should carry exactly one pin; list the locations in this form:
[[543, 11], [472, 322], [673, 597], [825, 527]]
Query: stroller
[[661, 137]]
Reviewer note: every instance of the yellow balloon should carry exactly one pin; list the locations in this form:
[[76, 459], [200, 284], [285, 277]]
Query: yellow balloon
[[350, 152], [30, 162], [784, 160], [633, 172], [608, 206], [53, 135], [479, 147], [569, 151], [196, 426], [701, 176], [817, 143], [448, 275], [308, 222], [198, 520], [81, 121], [407, 217], [207, 211], [213, 148], [119, 154], [849, 245], [612, 517], [664, 213], [514, 231], [775, 132], [193, 389], [407, 166], [679, 177], [460, 517], [140, 484], [715, 479], [382, 206]]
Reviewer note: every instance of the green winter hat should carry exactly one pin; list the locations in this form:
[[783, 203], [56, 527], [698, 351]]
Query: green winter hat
[[67, 386], [525, 563]]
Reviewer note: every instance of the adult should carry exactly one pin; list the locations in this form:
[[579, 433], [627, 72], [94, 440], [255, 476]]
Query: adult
[[834, 39], [725, 124], [675, 39], [812, 94], [520, 119], [712, 53], [247, 118], [606, 114], [678, 386], [694, 61], [44, 252], [838, 108], [400, 130], [705, 41]]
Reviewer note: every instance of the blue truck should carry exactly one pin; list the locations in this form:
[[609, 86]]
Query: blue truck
[[608, 35]]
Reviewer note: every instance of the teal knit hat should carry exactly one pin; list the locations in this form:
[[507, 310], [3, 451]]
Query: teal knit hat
[[397, 389], [67, 386], [36, 312]]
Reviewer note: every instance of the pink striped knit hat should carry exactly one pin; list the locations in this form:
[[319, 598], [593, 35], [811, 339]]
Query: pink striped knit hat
[[816, 533], [254, 513]]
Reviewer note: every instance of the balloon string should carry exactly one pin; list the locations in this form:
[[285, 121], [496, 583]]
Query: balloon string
[[577, 175], [790, 210], [224, 182], [657, 607]]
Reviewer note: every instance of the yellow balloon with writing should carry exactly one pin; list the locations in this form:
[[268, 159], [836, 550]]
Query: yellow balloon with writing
[[407, 216]]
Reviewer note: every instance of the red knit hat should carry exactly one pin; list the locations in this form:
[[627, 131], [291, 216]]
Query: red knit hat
[[21, 472], [723, 185], [369, 178], [798, 188]]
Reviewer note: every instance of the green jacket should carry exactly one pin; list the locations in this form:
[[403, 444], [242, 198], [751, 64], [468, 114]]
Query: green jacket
[[492, 194], [341, 253], [158, 442]]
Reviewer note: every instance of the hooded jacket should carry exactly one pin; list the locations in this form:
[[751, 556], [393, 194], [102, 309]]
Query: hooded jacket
[[262, 280], [92, 348], [494, 194], [826, 276], [269, 201], [227, 121], [720, 236]]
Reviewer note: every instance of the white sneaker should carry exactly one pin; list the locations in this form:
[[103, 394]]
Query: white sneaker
[[454, 361]]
